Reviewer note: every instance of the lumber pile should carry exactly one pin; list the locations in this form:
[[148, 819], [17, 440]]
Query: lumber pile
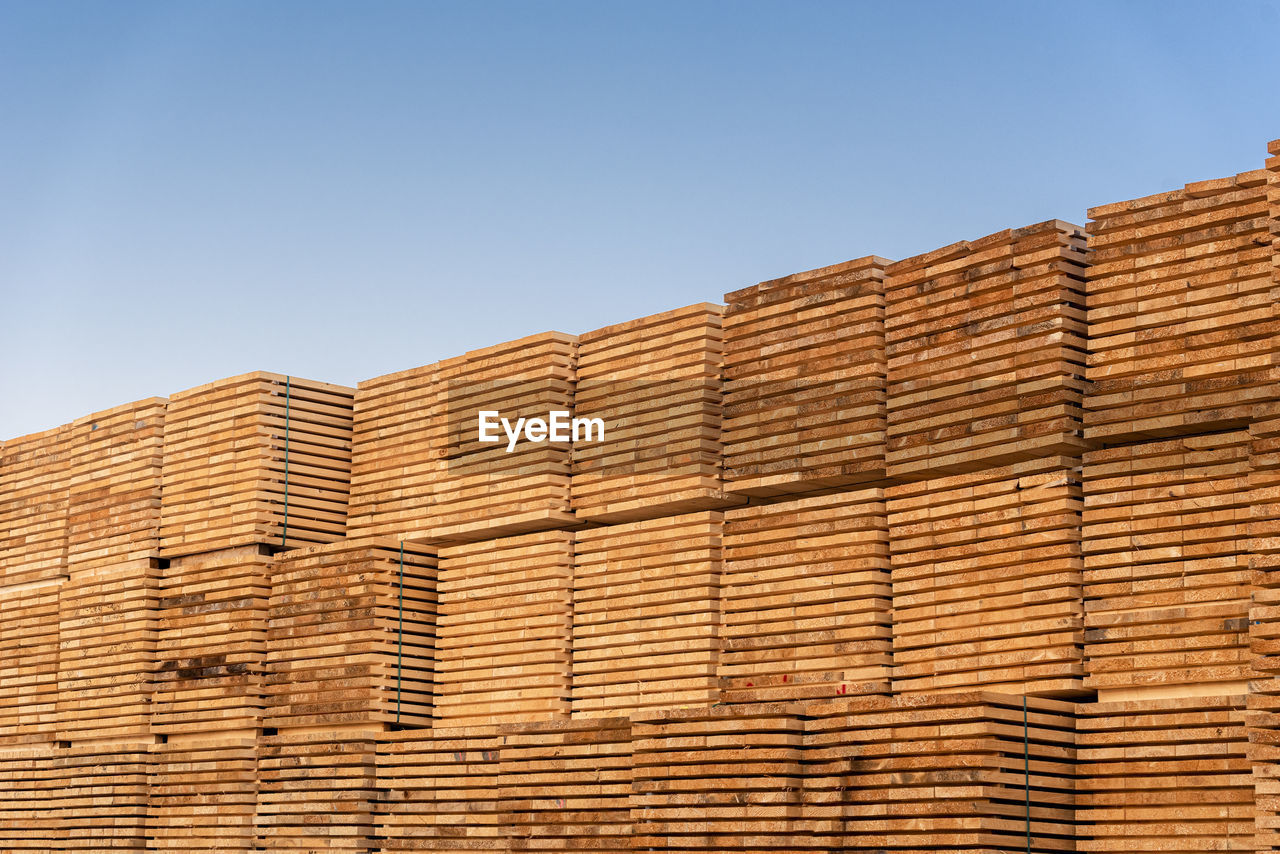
[[316, 791], [107, 632], [655, 384], [114, 468], [203, 795], [29, 662], [34, 489], [566, 785], [985, 344], [1164, 775], [212, 642], [804, 381], [441, 791], [1182, 332], [1167, 577], [503, 631], [726, 778], [805, 599], [944, 772], [29, 795], [394, 467], [646, 615], [258, 458], [350, 636], [481, 489], [1264, 625], [986, 573], [103, 789]]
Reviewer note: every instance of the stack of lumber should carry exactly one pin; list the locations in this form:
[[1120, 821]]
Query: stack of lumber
[[1182, 329], [29, 793], [258, 458], [108, 625], [103, 796], [944, 772], [114, 470], [726, 778], [806, 598], [316, 791], [655, 385], [646, 615], [107, 606], [350, 636], [441, 791], [29, 662], [482, 490], [1164, 775], [504, 630], [1264, 625], [393, 465], [987, 580], [34, 488], [203, 795], [985, 344], [566, 785], [804, 390], [1167, 577], [212, 643]]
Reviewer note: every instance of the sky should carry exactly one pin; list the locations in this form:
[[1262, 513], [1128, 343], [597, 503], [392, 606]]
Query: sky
[[190, 191]]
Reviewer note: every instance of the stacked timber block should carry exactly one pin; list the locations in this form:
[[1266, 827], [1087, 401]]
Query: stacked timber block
[[805, 599], [108, 604], [804, 381], [724, 778], [212, 644], [985, 344], [394, 467], [108, 628], [1167, 576], [350, 636], [102, 796], [986, 573], [441, 791], [503, 631], [655, 384], [566, 785], [1264, 611], [203, 794], [646, 615], [114, 472], [1182, 329], [30, 790], [944, 772], [34, 490], [482, 489], [35, 476], [317, 790], [1164, 775], [258, 458], [29, 662]]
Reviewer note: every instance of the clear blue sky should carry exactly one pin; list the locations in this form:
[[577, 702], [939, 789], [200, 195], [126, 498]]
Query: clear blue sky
[[340, 190]]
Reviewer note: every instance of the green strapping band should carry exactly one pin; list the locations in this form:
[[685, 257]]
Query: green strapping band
[[400, 635], [284, 531]]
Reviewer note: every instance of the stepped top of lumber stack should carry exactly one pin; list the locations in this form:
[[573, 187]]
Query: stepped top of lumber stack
[[649, 322], [238, 380], [789, 286], [1193, 190], [1007, 237]]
